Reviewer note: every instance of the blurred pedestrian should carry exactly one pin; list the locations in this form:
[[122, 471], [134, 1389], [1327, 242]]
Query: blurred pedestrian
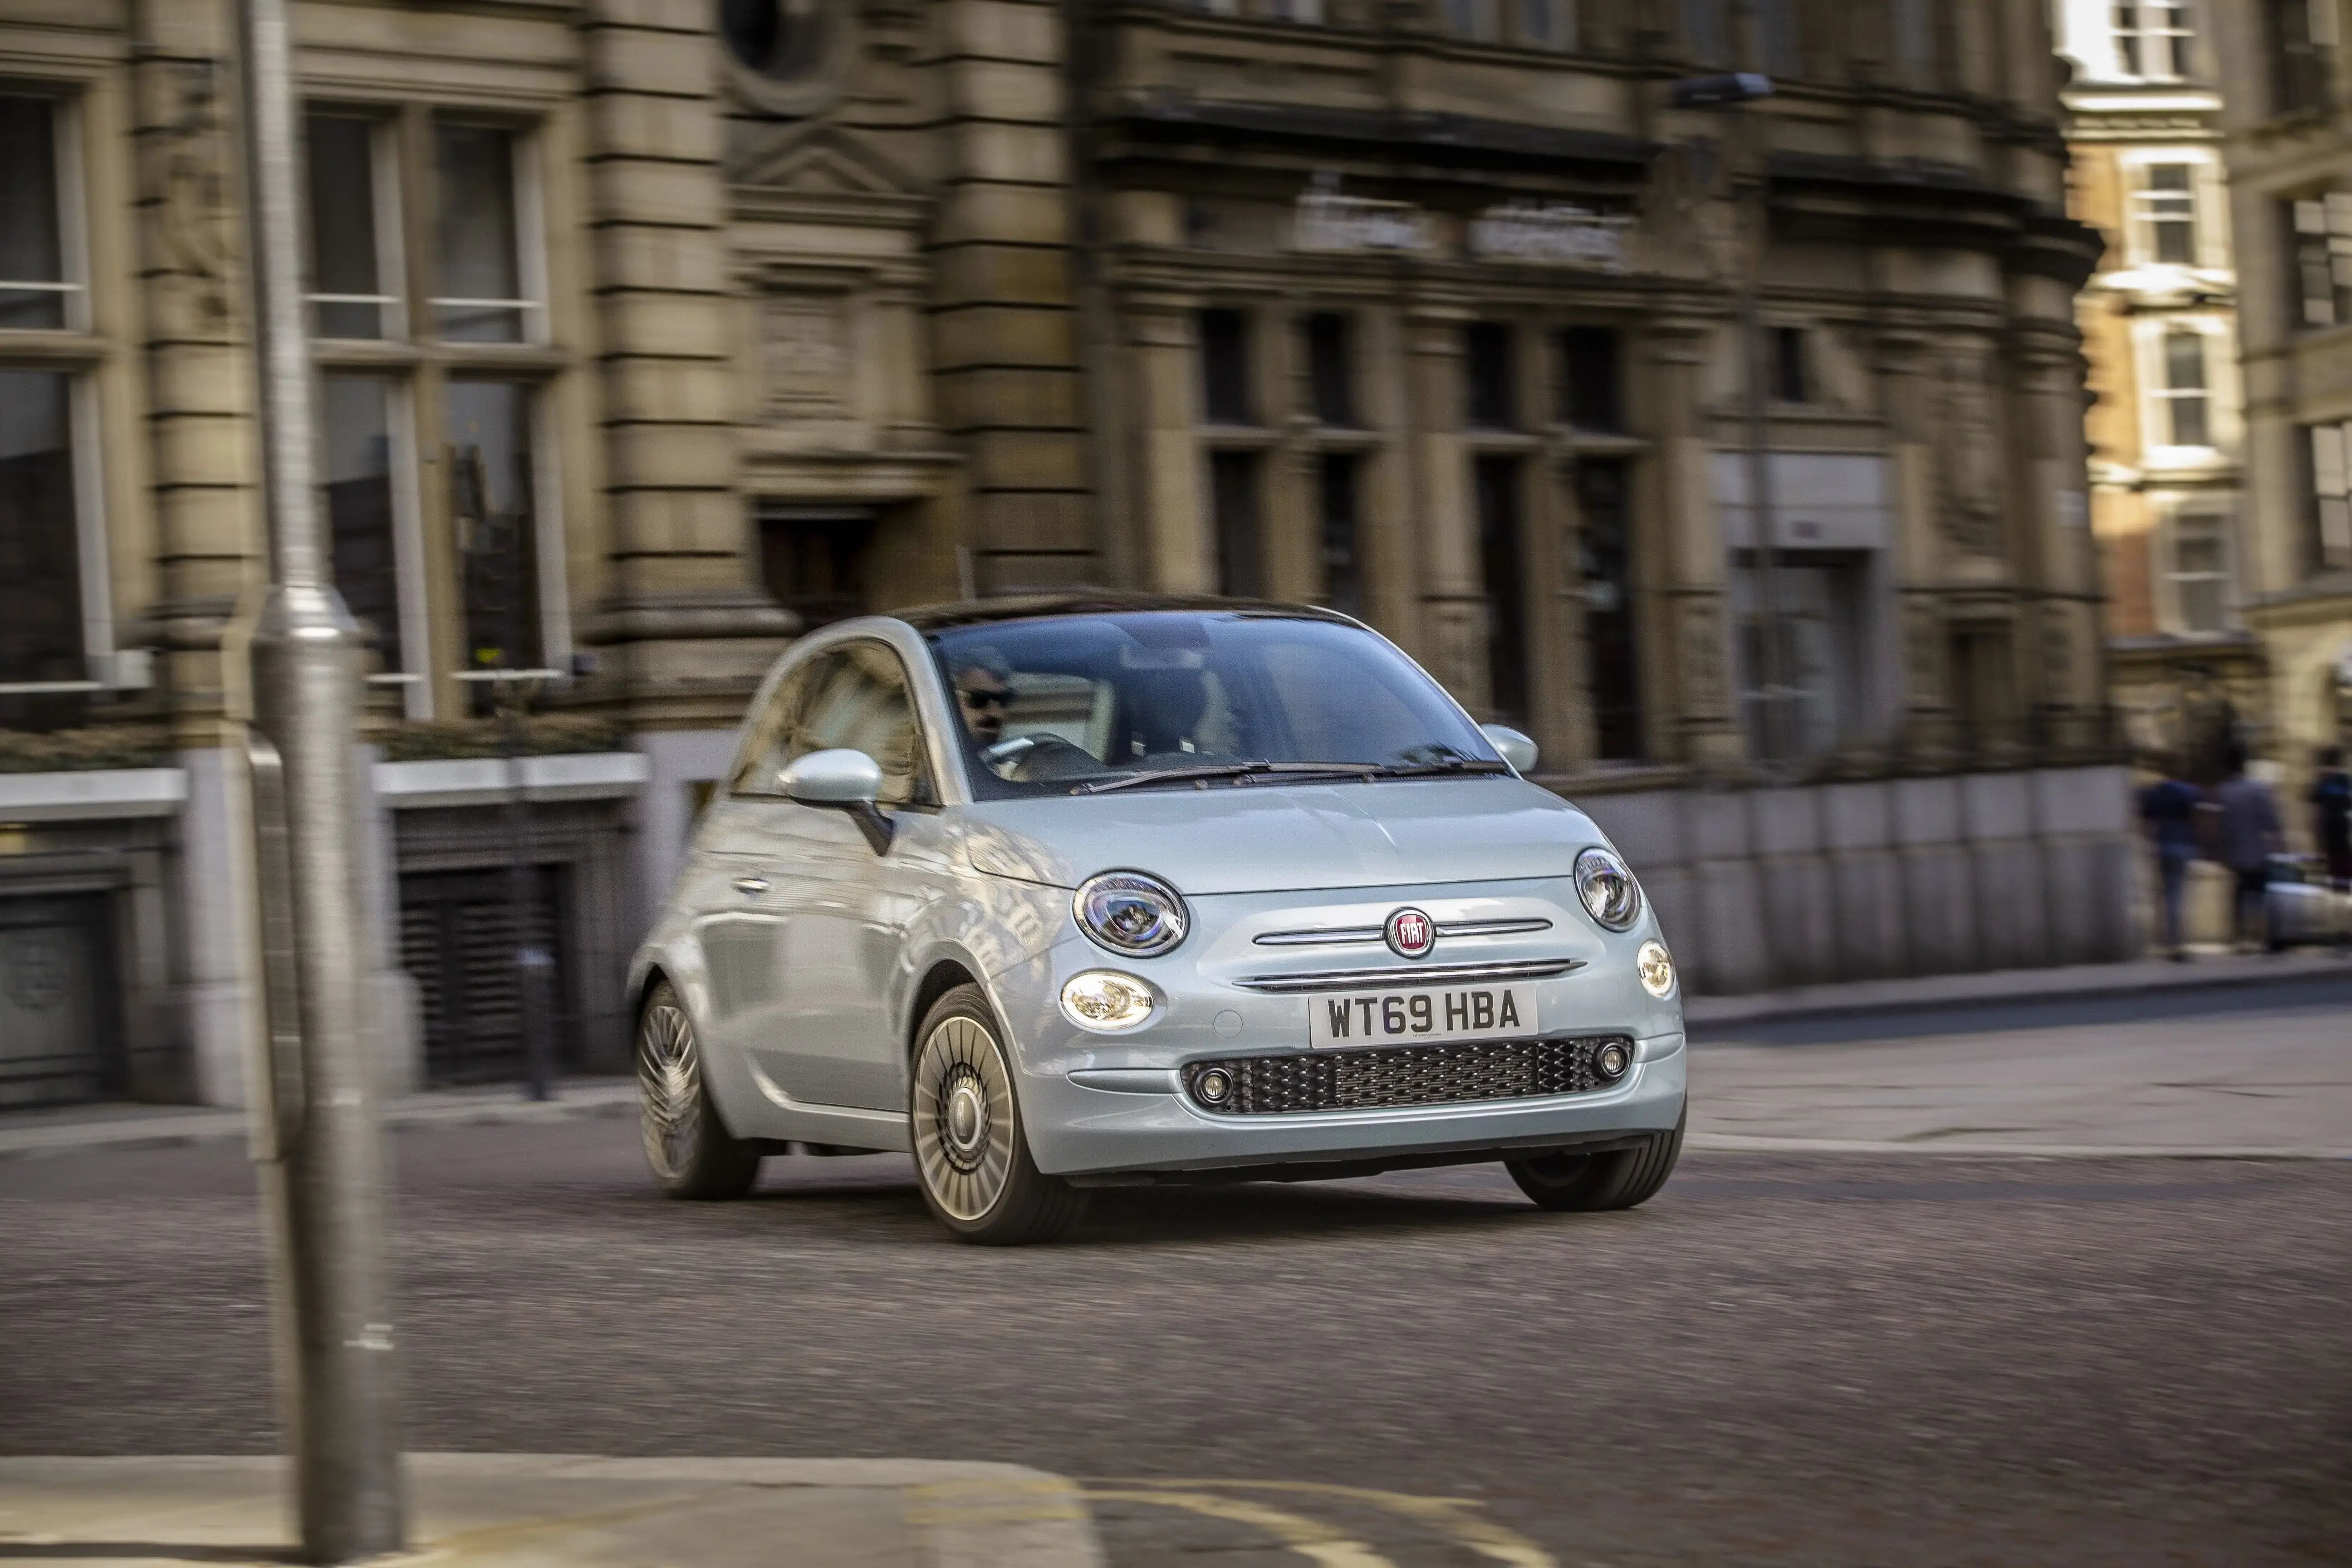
[[2169, 809], [2331, 829], [2248, 836]]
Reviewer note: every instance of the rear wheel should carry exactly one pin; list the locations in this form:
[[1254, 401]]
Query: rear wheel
[[971, 1152], [1582, 1183], [692, 1154]]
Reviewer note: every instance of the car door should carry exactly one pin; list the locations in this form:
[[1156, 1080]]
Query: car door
[[836, 912], [738, 886]]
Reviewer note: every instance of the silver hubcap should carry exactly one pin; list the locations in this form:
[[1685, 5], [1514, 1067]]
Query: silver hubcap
[[669, 1081], [964, 1119]]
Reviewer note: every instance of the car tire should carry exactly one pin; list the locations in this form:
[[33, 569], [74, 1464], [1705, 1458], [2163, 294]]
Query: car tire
[[1587, 1184], [687, 1146], [971, 1148]]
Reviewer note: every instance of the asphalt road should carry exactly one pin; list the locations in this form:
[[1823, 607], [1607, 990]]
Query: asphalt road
[[1781, 1360]]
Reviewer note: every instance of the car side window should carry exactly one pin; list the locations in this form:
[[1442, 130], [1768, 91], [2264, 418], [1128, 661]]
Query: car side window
[[854, 697], [864, 704], [770, 745]]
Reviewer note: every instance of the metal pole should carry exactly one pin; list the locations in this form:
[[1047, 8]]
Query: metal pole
[[306, 668], [534, 965]]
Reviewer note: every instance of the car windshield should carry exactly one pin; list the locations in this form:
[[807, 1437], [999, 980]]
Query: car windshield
[[1084, 703]]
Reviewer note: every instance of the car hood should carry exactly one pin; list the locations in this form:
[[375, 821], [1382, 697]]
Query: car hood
[[1255, 838]]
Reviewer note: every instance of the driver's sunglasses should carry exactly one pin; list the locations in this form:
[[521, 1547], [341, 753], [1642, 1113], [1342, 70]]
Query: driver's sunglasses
[[988, 699]]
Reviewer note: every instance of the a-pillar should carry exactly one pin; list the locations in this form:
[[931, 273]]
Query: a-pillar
[[686, 631]]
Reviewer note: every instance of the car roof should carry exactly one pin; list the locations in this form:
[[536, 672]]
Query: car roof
[[929, 618]]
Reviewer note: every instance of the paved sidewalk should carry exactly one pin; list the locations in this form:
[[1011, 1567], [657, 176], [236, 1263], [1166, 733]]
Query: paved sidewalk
[[124, 1125], [533, 1510], [2187, 1076], [2074, 982]]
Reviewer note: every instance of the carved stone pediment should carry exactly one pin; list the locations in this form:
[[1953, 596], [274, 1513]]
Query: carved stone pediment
[[820, 162]]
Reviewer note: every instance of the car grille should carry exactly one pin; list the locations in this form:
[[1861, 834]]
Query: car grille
[[1405, 1075]]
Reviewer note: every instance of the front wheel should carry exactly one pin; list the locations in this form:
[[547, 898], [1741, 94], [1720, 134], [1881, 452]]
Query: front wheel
[[692, 1154], [971, 1153], [1584, 1183]]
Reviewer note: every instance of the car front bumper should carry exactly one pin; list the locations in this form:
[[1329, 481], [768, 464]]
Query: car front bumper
[[1102, 1104], [1080, 1125]]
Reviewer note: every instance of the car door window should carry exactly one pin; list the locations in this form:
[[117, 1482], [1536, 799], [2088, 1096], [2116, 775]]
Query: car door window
[[863, 704], [770, 745], [854, 697]]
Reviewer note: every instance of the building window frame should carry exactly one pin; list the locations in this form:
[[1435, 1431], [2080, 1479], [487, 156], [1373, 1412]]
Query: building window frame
[[2302, 36], [71, 351], [2160, 210], [72, 217], [419, 370], [392, 296], [2188, 523], [528, 196], [2157, 344], [2141, 29], [2320, 247], [2327, 456]]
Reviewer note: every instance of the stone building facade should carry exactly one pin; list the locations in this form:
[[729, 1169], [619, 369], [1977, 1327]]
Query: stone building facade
[[648, 331], [2159, 324], [2285, 68]]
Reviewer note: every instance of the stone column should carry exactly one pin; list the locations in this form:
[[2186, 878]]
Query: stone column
[[1005, 312], [1559, 697], [199, 379], [1916, 556], [197, 385], [2060, 645], [685, 630], [1453, 592], [1680, 561], [1385, 488], [1177, 554]]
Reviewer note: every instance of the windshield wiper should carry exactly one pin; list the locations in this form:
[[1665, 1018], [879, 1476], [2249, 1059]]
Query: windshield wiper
[[1471, 765], [1228, 771]]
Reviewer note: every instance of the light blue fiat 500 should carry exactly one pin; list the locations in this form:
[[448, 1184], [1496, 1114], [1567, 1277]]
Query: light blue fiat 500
[[1057, 894]]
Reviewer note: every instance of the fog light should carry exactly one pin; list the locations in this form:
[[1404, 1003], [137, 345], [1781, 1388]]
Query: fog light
[[1106, 1002], [1657, 969], [1611, 1060], [1213, 1087]]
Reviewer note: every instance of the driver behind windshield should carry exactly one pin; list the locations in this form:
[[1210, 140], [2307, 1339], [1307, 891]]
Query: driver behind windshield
[[983, 688], [1122, 698]]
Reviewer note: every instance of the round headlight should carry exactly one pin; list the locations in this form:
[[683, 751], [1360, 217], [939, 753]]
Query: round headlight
[[1608, 890], [1099, 999], [1130, 913], [1657, 969]]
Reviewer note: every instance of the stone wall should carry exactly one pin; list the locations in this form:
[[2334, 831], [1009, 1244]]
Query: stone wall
[[1815, 883]]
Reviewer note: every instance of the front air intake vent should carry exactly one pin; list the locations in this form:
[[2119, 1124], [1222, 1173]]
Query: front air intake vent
[[1405, 1076]]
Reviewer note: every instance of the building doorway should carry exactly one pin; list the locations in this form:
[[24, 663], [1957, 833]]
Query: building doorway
[[458, 942], [813, 561], [60, 1039]]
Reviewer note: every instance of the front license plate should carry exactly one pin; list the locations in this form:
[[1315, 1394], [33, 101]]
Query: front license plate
[[1429, 1016]]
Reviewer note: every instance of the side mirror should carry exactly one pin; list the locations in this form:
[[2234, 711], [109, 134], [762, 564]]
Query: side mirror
[[842, 779], [1516, 749]]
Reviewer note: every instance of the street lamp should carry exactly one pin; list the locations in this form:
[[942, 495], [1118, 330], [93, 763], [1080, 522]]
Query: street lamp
[[321, 1137], [1730, 93]]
